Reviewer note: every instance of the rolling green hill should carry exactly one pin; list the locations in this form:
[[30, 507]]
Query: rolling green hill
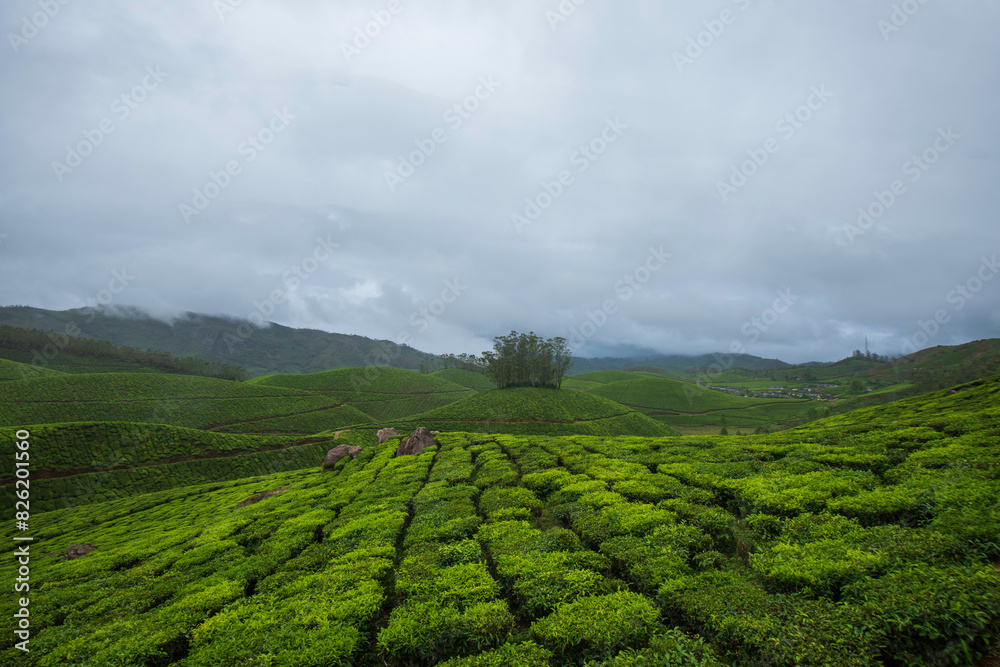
[[685, 406], [179, 400], [607, 377], [469, 379], [532, 410], [861, 539], [12, 370], [382, 393], [918, 373]]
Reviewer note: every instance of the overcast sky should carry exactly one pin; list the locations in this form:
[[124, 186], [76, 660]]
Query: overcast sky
[[679, 176]]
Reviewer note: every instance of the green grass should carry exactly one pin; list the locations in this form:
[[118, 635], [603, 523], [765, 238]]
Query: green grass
[[860, 539]]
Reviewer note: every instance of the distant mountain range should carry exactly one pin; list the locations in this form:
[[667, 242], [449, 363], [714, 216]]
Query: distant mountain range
[[270, 349]]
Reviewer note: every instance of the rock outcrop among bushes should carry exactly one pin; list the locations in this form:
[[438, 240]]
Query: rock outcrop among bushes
[[418, 441], [339, 452]]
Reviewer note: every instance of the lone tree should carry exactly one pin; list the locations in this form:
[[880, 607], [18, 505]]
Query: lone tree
[[527, 360]]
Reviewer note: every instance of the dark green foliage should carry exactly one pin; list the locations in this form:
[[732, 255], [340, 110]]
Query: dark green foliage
[[527, 360], [668, 648], [931, 615], [220, 339], [87, 355], [528, 654], [750, 626]]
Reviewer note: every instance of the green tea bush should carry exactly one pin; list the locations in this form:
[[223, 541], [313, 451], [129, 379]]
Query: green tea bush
[[572, 492], [667, 648], [789, 494], [495, 499], [541, 581], [641, 490], [968, 507], [818, 568], [428, 631], [597, 627], [932, 615], [662, 555], [752, 627], [547, 482], [621, 519], [459, 585], [493, 468], [886, 504], [527, 654], [714, 521], [463, 551]]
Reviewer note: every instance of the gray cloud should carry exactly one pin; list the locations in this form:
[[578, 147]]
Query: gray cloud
[[688, 118]]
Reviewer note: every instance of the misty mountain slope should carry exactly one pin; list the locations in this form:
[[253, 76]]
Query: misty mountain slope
[[270, 349]]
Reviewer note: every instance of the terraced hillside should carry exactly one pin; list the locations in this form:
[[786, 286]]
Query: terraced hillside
[[382, 393], [178, 400], [538, 411], [684, 405], [13, 370], [865, 539], [470, 379]]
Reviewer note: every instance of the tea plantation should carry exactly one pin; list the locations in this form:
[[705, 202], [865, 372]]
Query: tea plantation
[[86, 462], [538, 411], [178, 400], [864, 539], [378, 392]]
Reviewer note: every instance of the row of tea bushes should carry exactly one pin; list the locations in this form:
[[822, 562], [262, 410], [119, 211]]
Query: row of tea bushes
[[82, 445]]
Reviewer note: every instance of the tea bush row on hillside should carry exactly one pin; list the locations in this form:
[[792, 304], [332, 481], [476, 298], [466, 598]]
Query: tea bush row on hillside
[[105, 444], [381, 380], [227, 457]]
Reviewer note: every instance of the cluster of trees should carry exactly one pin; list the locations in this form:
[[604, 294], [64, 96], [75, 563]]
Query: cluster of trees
[[466, 362], [527, 360], [869, 356], [45, 345]]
